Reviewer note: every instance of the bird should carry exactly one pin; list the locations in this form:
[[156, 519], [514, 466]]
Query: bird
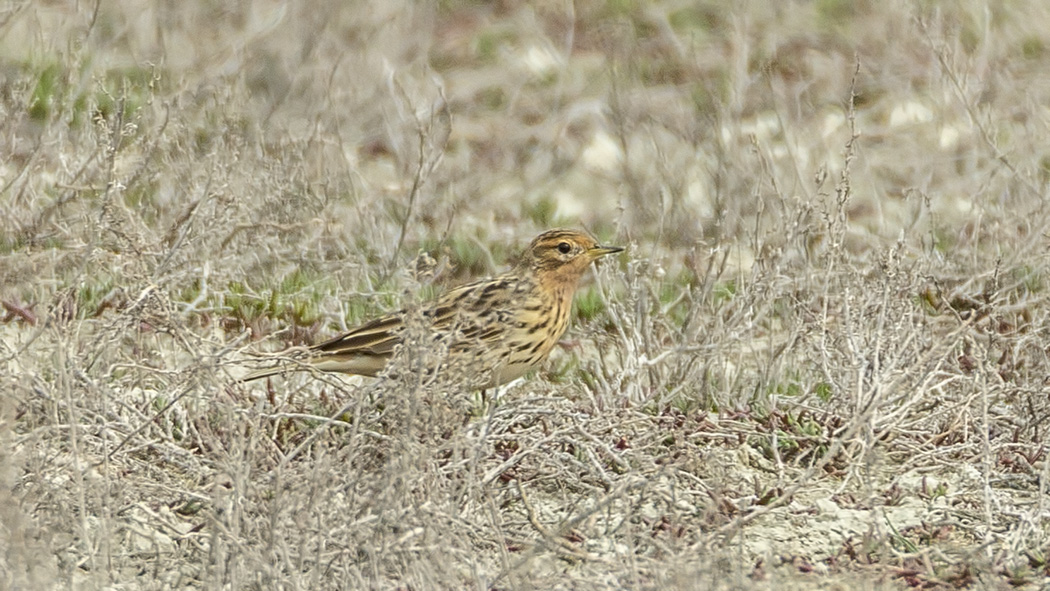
[[494, 330]]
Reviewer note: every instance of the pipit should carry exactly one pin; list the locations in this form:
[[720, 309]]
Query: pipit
[[496, 330]]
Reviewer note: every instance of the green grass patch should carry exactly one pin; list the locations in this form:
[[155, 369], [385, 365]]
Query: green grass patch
[[468, 259], [588, 305], [789, 435], [836, 13], [563, 371], [295, 299], [823, 391], [489, 43], [493, 98], [70, 92], [92, 296], [48, 93], [790, 387], [1030, 278], [1033, 48], [698, 19], [724, 291], [675, 299], [11, 243], [541, 211]]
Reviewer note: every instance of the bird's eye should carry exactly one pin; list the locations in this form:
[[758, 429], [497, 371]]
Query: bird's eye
[[564, 247]]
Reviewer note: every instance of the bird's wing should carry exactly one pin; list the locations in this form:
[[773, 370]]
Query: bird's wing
[[380, 336], [377, 337], [480, 310], [366, 349], [362, 351]]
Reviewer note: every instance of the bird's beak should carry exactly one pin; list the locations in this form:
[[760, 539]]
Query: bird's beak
[[600, 251]]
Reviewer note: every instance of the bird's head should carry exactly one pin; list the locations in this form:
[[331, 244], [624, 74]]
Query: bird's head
[[563, 255]]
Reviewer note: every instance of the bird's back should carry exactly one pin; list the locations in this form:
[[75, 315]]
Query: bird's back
[[499, 326]]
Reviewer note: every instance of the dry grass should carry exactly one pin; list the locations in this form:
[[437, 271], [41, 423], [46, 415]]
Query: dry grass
[[822, 364]]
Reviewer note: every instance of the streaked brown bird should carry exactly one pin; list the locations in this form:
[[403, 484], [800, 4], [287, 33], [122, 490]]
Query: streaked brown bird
[[495, 329]]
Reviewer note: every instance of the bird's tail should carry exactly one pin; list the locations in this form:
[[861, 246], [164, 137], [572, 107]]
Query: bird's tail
[[265, 373]]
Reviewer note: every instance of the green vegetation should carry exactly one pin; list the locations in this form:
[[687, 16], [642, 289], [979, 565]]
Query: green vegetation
[[588, 305], [64, 92]]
